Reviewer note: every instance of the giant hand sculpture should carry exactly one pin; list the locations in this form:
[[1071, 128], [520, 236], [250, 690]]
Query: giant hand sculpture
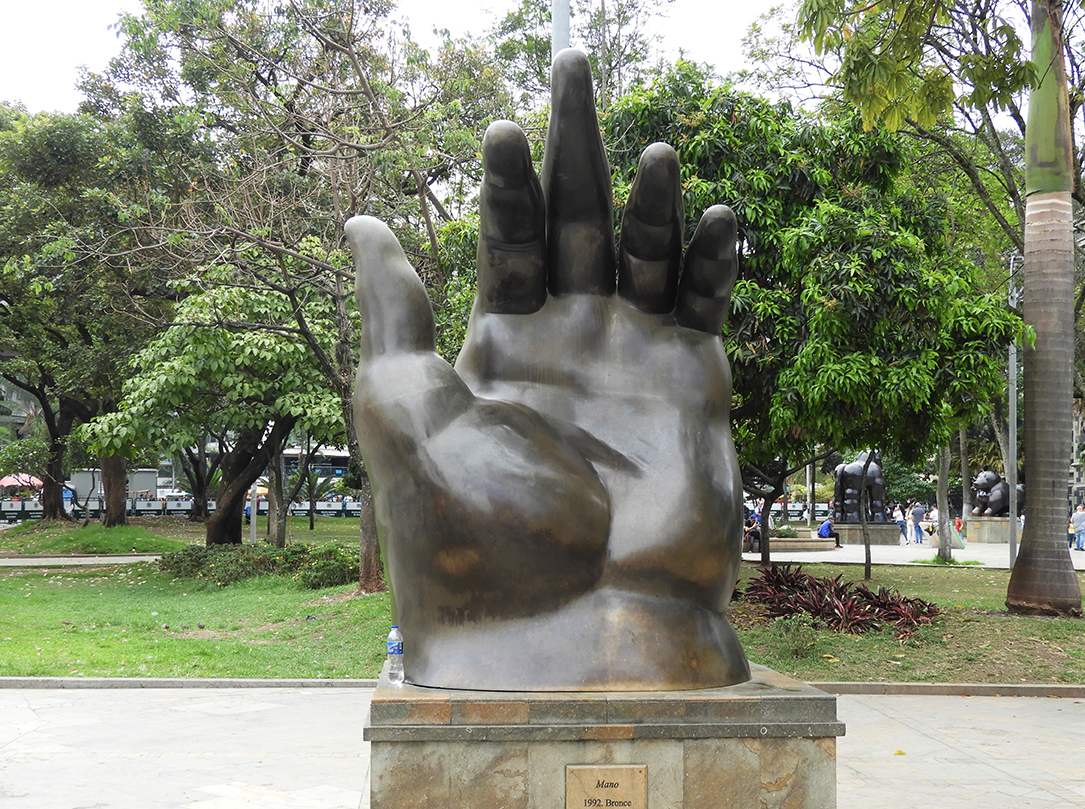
[[561, 511]]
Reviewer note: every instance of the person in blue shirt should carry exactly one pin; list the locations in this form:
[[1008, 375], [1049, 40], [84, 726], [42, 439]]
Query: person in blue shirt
[[826, 532]]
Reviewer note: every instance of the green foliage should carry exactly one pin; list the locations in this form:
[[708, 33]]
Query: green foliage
[[312, 487], [910, 487], [853, 322], [798, 636], [459, 243], [313, 567], [894, 56], [617, 36], [784, 533], [28, 455], [228, 364], [939, 560], [329, 565]]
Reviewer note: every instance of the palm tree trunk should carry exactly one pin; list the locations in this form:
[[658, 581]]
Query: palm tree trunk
[[1043, 579]]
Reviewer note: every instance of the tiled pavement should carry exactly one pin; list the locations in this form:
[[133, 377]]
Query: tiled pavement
[[299, 747]]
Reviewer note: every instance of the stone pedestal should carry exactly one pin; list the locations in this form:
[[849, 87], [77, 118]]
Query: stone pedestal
[[989, 530], [881, 533], [770, 742]]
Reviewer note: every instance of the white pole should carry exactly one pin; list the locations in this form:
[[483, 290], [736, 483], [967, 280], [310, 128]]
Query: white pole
[[559, 16], [254, 506], [1011, 471]]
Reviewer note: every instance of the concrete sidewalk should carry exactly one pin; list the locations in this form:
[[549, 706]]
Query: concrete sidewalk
[[75, 561], [997, 556], [989, 555], [265, 748]]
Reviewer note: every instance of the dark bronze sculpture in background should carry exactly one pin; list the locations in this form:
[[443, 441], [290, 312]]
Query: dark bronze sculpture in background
[[847, 494], [992, 495], [563, 510]]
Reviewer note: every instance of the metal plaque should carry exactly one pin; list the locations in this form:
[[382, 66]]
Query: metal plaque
[[603, 786]]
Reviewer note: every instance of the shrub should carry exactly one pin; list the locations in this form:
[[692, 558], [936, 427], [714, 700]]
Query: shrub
[[836, 604], [784, 533], [311, 566], [798, 636], [187, 563], [330, 565]]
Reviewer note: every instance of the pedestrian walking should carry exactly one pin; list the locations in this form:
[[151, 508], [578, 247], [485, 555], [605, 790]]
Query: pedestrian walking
[[1077, 525], [918, 512], [898, 518]]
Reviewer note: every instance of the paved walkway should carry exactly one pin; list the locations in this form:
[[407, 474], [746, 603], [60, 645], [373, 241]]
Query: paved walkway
[[266, 748], [989, 555], [74, 561], [992, 555]]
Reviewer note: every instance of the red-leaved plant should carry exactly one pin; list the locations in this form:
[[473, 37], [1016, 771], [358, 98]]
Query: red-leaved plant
[[836, 604]]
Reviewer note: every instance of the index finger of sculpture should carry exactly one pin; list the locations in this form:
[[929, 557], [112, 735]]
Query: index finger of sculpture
[[396, 313], [708, 272], [650, 251], [512, 225], [576, 184]]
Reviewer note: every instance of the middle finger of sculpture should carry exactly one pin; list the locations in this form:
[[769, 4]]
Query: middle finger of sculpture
[[561, 511]]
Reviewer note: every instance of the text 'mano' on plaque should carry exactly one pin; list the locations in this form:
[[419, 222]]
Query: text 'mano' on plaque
[[606, 785]]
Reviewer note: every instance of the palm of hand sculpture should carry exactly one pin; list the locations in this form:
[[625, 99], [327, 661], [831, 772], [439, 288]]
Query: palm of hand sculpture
[[561, 511]]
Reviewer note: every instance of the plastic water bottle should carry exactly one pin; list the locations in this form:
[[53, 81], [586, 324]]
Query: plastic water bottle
[[395, 656]]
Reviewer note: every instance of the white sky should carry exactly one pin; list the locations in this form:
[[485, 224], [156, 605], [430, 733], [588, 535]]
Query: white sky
[[46, 41]]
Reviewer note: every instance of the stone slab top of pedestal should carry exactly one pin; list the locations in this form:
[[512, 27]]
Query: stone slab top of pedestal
[[768, 705]]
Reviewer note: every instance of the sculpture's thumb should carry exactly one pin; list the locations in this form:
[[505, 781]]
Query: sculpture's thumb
[[396, 313]]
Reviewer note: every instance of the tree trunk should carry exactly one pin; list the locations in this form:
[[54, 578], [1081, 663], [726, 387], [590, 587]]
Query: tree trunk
[[945, 546], [241, 466], [966, 476], [115, 489], [370, 573], [278, 498], [52, 490], [766, 521], [1043, 579], [1001, 429], [864, 506], [194, 465]]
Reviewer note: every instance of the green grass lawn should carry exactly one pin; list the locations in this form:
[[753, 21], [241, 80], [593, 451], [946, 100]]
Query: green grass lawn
[[974, 641], [35, 539], [149, 535], [134, 621]]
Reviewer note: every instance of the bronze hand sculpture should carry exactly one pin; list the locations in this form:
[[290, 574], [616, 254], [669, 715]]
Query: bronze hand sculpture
[[562, 511]]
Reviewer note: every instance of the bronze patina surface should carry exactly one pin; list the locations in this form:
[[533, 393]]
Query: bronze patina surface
[[561, 511]]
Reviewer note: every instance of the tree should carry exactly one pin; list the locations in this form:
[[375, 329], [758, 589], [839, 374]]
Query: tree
[[71, 309], [1043, 579], [615, 35], [894, 68], [853, 323], [319, 111], [212, 373]]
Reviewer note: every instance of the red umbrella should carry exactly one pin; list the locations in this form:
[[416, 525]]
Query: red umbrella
[[20, 480]]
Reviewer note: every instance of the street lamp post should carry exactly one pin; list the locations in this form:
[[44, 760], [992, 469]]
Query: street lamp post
[[1011, 462], [559, 20]]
